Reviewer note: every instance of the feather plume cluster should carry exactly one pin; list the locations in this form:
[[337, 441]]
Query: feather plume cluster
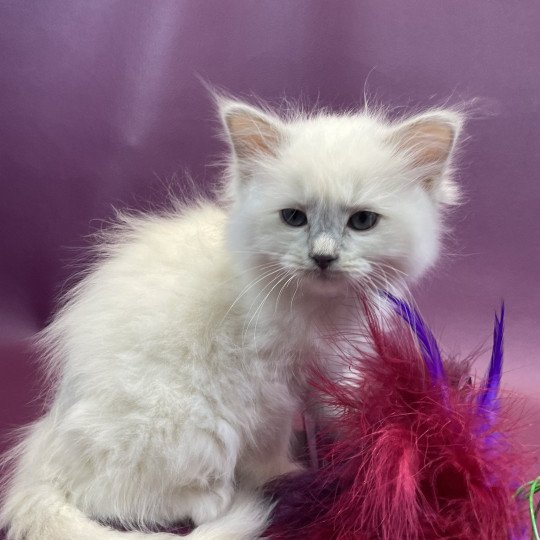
[[418, 451]]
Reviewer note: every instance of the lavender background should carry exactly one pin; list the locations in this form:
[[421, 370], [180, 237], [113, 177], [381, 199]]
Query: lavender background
[[100, 105]]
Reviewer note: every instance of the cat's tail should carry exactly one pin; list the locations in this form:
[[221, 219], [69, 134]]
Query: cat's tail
[[40, 512]]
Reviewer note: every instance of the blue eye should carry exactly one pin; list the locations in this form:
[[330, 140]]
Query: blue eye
[[293, 217], [364, 220]]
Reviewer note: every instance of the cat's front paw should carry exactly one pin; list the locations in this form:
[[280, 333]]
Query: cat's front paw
[[264, 473], [291, 467]]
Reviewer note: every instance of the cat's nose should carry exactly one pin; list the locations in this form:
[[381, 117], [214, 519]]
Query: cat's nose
[[323, 261]]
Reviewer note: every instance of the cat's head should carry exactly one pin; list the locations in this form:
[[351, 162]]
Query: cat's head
[[338, 199]]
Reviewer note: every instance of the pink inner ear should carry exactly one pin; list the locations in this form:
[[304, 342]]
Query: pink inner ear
[[429, 141], [252, 135]]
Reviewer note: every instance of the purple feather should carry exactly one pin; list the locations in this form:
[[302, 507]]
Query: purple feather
[[488, 402], [426, 339]]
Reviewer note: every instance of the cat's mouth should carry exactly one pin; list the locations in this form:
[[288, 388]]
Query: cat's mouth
[[326, 275], [325, 283]]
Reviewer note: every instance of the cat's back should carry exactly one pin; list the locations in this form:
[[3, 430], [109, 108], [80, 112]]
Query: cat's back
[[162, 281]]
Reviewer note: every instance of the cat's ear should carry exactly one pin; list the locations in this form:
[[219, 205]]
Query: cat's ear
[[428, 141], [253, 134]]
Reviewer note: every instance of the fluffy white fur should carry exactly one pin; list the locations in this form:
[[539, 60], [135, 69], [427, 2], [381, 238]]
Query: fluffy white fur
[[178, 361]]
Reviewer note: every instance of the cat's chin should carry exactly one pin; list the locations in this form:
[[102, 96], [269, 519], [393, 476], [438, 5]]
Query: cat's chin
[[325, 284]]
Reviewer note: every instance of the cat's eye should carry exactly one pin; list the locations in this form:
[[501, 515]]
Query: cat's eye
[[293, 217], [364, 220]]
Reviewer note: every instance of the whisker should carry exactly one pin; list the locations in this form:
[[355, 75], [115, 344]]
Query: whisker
[[295, 291], [262, 303], [267, 286], [281, 290], [247, 288], [259, 267]]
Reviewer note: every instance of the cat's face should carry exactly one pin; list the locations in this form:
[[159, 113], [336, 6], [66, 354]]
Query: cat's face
[[338, 201]]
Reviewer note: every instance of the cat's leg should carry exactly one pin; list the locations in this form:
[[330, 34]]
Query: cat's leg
[[203, 475], [208, 503], [151, 467], [271, 458], [271, 466]]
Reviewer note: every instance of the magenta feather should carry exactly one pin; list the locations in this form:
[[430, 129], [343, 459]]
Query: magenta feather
[[413, 459]]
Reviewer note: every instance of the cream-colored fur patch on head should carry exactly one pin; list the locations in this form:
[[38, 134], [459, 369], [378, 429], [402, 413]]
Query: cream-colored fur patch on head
[[324, 244]]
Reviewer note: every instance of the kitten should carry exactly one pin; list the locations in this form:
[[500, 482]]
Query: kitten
[[179, 359]]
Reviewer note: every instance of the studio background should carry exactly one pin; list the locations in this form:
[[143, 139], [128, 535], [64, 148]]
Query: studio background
[[101, 105]]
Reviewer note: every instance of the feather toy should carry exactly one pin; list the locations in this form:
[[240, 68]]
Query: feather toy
[[418, 450]]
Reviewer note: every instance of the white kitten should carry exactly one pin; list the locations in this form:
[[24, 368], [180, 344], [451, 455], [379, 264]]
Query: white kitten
[[178, 359]]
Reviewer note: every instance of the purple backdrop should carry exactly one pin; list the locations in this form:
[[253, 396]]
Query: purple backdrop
[[101, 105]]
